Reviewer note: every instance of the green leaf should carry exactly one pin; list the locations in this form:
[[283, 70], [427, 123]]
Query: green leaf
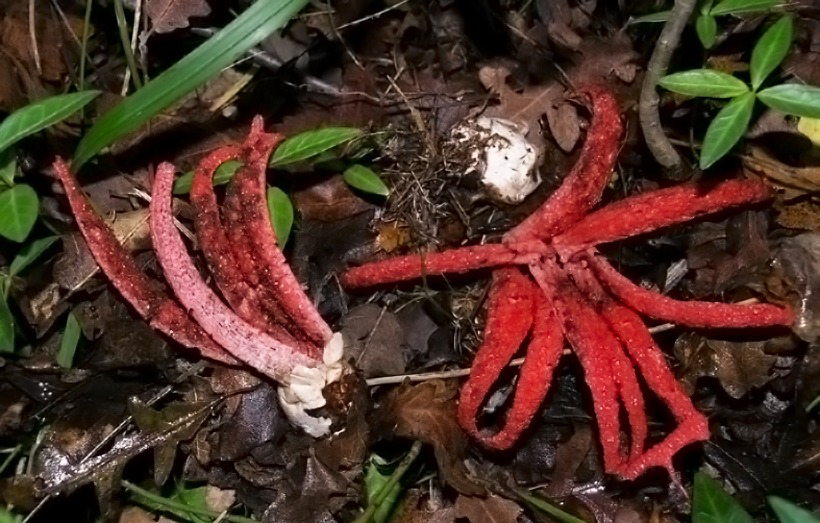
[[705, 7], [736, 7], [6, 326], [217, 53], [651, 18], [69, 342], [788, 512], [364, 179], [796, 99], [726, 129], [311, 143], [39, 115], [704, 82], [281, 214], [29, 253], [712, 504], [374, 482], [548, 508], [18, 212], [770, 50], [706, 27], [223, 174], [8, 166]]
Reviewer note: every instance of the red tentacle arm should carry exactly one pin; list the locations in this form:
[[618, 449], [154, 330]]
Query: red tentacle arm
[[515, 308], [589, 339], [454, 261], [245, 342], [154, 305], [225, 257], [583, 186], [250, 230], [701, 314], [654, 210]]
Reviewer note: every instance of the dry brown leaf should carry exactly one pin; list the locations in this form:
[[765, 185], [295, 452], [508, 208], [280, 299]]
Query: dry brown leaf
[[168, 15], [492, 509], [805, 179], [739, 366], [564, 125], [136, 515], [427, 412]]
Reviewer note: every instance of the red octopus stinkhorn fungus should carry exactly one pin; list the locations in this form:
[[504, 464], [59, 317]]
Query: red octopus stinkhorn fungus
[[572, 293], [271, 325]]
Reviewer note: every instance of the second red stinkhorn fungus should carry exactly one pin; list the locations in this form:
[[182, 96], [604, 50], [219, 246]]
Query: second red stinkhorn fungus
[[273, 327], [572, 293]]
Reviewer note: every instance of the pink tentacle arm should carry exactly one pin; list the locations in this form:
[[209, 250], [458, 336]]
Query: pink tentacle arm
[[515, 308], [701, 314], [157, 307], [245, 342]]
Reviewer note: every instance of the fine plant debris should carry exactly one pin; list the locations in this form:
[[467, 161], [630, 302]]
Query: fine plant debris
[[421, 260]]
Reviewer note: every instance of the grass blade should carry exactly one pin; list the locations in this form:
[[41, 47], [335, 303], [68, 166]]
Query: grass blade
[[737, 7], [726, 129], [30, 253], [6, 325], [217, 53], [68, 345], [770, 50], [39, 115]]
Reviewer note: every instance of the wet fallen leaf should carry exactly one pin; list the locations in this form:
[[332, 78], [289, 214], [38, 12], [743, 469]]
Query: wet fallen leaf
[[168, 15], [564, 125], [427, 412], [739, 366]]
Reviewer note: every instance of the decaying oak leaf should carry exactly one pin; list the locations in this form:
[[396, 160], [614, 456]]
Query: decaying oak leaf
[[427, 412], [739, 366], [168, 15]]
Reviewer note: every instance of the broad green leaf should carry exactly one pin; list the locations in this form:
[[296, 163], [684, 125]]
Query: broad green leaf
[[706, 27], [726, 129], [18, 212], [68, 344], [223, 174], [6, 326], [788, 512], [548, 508], [737, 7], [308, 144], [712, 504], [651, 18], [281, 214], [8, 517], [217, 53], [705, 7], [29, 253], [704, 82], [364, 179], [796, 99], [8, 166], [39, 115], [770, 50]]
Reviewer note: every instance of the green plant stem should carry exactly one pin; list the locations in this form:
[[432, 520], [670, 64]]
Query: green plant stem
[[84, 45], [668, 40], [12, 454], [122, 24], [176, 505], [385, 490]]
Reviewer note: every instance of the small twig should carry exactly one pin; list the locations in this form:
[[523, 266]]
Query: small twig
[[372, 16], [134, 34], [668, 40], [32, 33]]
